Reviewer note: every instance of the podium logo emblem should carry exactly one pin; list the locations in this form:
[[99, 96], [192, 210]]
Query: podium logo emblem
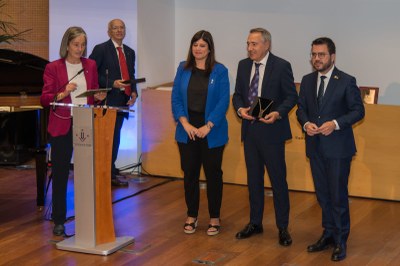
[[82, 136]]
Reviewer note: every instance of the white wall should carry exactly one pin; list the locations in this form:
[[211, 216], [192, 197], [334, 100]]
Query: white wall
[[156, 40], [366, 33]]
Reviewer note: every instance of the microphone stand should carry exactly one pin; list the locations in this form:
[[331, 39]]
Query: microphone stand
[[105, 100], [55, 96]]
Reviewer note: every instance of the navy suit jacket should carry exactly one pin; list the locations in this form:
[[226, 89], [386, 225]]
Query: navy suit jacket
[[342, 101], [106, 57], [278, 85]]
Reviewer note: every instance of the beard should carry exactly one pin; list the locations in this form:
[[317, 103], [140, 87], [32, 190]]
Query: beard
[[322, 67]]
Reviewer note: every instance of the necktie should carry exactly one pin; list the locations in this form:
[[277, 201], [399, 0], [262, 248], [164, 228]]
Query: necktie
[[253, 91], [124, 69], [320, 94]]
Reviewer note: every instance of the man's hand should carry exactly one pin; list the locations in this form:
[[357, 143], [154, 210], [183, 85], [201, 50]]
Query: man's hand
[[132, 100], [244, 113], [118, 83], [270, 118], [311, 129], [327, 128]]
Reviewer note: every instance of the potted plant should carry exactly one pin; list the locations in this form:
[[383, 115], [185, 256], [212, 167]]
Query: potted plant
[[8, 31]]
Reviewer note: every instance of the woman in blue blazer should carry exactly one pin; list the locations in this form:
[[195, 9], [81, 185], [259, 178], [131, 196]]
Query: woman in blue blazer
[[200, 99]]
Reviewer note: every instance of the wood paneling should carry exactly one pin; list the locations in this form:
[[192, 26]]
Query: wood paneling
[[375, 172], [103, 142], [26, 15]]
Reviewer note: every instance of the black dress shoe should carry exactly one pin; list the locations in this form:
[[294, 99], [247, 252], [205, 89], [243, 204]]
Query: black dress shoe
[[119, 183], [284, 237], [339, 252], [322, 244], [249, 230], [59, 230]]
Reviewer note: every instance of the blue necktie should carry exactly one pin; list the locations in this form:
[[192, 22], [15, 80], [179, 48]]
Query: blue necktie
[[253, 91], [320, 94]]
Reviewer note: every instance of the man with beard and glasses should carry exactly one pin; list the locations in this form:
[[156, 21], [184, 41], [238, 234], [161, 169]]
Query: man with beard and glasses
[[329, 105]]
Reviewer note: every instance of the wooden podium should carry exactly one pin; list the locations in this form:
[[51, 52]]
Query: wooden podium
[[94, 225]]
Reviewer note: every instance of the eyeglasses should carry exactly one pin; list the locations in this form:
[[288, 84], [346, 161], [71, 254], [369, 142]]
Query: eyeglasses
[[115, 28], [319, 55]]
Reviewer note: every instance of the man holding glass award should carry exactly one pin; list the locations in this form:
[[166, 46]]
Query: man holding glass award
[[116, 67], [264, 95]]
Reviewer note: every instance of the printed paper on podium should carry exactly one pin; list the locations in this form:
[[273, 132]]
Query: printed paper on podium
[[91, 92]]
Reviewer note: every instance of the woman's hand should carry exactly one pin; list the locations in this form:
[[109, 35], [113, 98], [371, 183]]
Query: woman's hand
[[190, 130], [203, 131], [100, 96], [70, 88]]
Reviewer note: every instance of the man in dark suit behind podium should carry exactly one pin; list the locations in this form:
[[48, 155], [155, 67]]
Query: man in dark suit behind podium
[[329, 104], [264, 139], [111, 75]]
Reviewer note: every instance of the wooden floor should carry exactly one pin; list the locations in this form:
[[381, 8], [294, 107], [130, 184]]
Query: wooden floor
[[155, 217]]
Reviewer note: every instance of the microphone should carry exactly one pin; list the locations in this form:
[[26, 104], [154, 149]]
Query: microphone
[[55, 97], [106, 78], [105, 100]]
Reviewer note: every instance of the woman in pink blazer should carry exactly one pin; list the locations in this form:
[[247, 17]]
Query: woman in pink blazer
[[64, 79]]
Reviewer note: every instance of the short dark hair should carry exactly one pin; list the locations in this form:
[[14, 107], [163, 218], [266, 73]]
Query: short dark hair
[[328, 42], [210, 61]]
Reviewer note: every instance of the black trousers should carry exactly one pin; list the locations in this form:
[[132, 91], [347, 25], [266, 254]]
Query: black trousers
[[331, 177], [61, 153], [116, 141], [260, 154], [193, 155]]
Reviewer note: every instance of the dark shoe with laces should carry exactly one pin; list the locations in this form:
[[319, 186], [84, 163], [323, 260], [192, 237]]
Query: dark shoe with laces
[[339, 252], [249, 230], [119, 183], [322, 244], [59, 230], [284, 237]]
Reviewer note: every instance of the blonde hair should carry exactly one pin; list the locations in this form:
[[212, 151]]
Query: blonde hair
[[70, 34]]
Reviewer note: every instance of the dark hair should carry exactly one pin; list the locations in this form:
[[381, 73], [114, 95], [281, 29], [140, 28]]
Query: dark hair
[[328, 42], [210, 61]]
